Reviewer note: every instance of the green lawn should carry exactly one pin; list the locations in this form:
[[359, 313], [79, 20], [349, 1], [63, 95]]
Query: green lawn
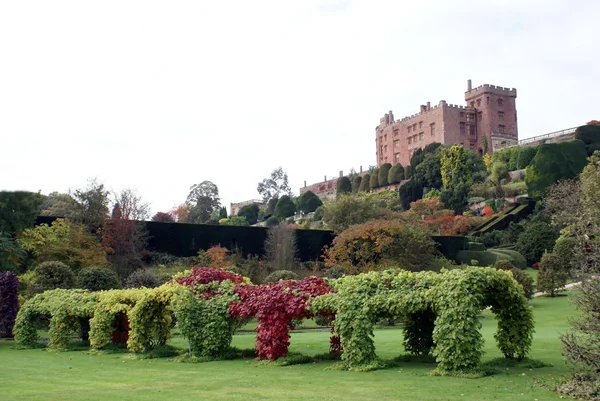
[[36, 374]]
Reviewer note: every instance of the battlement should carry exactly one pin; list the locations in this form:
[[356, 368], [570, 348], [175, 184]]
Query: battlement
[[487, 88]]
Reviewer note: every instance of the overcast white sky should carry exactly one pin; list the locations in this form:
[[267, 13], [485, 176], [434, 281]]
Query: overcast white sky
[[161, 95]]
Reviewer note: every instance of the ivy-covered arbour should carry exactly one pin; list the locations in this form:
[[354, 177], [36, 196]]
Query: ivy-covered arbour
[[439, 312]]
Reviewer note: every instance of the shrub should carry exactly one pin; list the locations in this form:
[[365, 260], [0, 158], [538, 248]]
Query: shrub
[[409, 192], [272, 221], [526, 155], [98, 278], [535, 240], [374, 180], [525, 281], [554, 162], [588, 134], [504, 265], [396, 174], [365, 183], [142, 278], [250, 212], [380, 243], [285, 207], [51, 275], [218, 256], [343, 186], [499, 172], [356, 182], [511, 255], [280, 275], [349, 210], [334, 272], [308, 202], [9, 303], [382, 174], [408, 172]]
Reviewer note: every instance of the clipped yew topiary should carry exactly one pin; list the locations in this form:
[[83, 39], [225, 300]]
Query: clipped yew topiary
[[343, 186], [396, 174], [356, 181], [51, 275], [280, 275], [365, 183], [382, 174], [9, 303], [374, 180], [143, 278], [97, 278]]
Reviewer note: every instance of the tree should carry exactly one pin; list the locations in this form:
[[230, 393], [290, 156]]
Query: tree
[[180, 213], [281, 251], [459, 167], [499, 172], [409, 192], [275, 186], [428, 172], [91, 204], [552, 274], [18, 210], [356, 181], [11, 254], [223, 212], [396, 174], [343, 186], [131, 205], [374, 181], [285, 207], [238, 221], [250, 213], [308, 202], [365, 183], [202, 202], [163, 217], [271, 205], [352, 209], [536, 240], [58, 205], [382, 174], [408, 172]]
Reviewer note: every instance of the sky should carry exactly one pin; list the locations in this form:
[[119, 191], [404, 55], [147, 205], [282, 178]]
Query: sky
[[158, 96]]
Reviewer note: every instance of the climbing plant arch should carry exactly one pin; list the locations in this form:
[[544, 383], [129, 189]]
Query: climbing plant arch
[[439, 310]]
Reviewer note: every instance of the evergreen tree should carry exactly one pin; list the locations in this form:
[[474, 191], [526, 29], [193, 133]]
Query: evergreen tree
[[343, 186]]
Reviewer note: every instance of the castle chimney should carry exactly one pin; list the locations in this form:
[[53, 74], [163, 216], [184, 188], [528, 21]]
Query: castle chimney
[[341, 173], [423, 108], [360, 169], [469, 87], [324, 178], [391, 117], [304, 183]]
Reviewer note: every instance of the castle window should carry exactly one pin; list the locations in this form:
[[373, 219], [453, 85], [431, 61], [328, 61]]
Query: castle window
[[409, 140], [432, 127], [414, 126], [480, 116], [500, 115], [397, 158], [473, 104], [478, 102], [396, 143], [462, 128], [501, 128], [395, 132], [409, 127], [414, 139], [500, 102], [420, 124], [420, 136], [385, 137], [385, 148], [462, 114], [487, 100]]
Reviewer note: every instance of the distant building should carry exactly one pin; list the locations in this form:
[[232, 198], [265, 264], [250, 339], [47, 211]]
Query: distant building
[[486, 123], [234, 208], [327, 188]]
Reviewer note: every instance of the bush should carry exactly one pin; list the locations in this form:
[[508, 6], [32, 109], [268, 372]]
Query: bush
[[409, 192], [98, 278], [272, 221], [343, 186], [382, 174], [490, 257], [51, 275], [381, 243], [142, 278], [511, 255], [356, 182], [365, 183], [280, 275], [318, 213], [525, 281], [535, 240], [334, 272], [504, 265], [285, 207], [408, 172], [554, 162], [396, 174], [308, 202], [588, 134], [526, 155], [374, 180], [552, 274]]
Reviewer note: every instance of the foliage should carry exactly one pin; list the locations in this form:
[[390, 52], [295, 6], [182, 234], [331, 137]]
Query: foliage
[[504, 265], [374, 180], [408, 172], [525, 280], [68, 310], [428, 171], [378, 244], [353, 209], [554, 162], [365, 183], [9, 303], [487, 211], [275, 186], [499, 172], [278, 275], [453, 299], [18, 210], [396, 174], [98, 278], [131, 205], [343, 186], [356, 182], [58, 205], [124, 240], [250, 212], [308, 202], [281, 250], [588, 134], [202, 202], [285, 207], [11, 254], [239, 221], [460, 167], [382, 174], [50, 275], [552, 274], [142, 278], [91, 204], [218, 257], [409, 192], [65, 241], [430, 215], [276, 306], [537, 239], [223, 212], [272, 221], [163, 217]]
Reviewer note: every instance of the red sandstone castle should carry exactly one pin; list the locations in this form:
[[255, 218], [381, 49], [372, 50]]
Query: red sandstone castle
[[488, 122]]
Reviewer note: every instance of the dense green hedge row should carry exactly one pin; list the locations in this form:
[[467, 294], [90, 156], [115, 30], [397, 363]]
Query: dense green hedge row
[[439, 312]]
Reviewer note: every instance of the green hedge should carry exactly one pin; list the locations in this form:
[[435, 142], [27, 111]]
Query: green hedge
[[491, 256], [475, 246], [449, 246]]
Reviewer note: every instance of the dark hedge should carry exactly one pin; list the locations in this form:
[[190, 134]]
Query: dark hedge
[[9, 303]]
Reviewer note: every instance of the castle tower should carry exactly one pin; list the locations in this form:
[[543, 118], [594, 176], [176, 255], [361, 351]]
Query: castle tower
[[496, 116]]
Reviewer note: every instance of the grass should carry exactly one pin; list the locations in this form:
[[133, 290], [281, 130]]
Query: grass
[[37, 374]]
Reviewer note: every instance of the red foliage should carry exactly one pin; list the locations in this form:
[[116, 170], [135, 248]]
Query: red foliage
[[460, 225], [218, 256], [275, 305], [204, 275], [536, 266], [121, 333], [487, 211]]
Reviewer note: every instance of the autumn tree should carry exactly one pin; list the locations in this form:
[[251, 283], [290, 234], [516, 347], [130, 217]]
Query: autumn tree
[[202, 202], [275, 186], [180, 213]]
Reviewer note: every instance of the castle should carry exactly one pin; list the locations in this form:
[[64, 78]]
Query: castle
[[486, 123]]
